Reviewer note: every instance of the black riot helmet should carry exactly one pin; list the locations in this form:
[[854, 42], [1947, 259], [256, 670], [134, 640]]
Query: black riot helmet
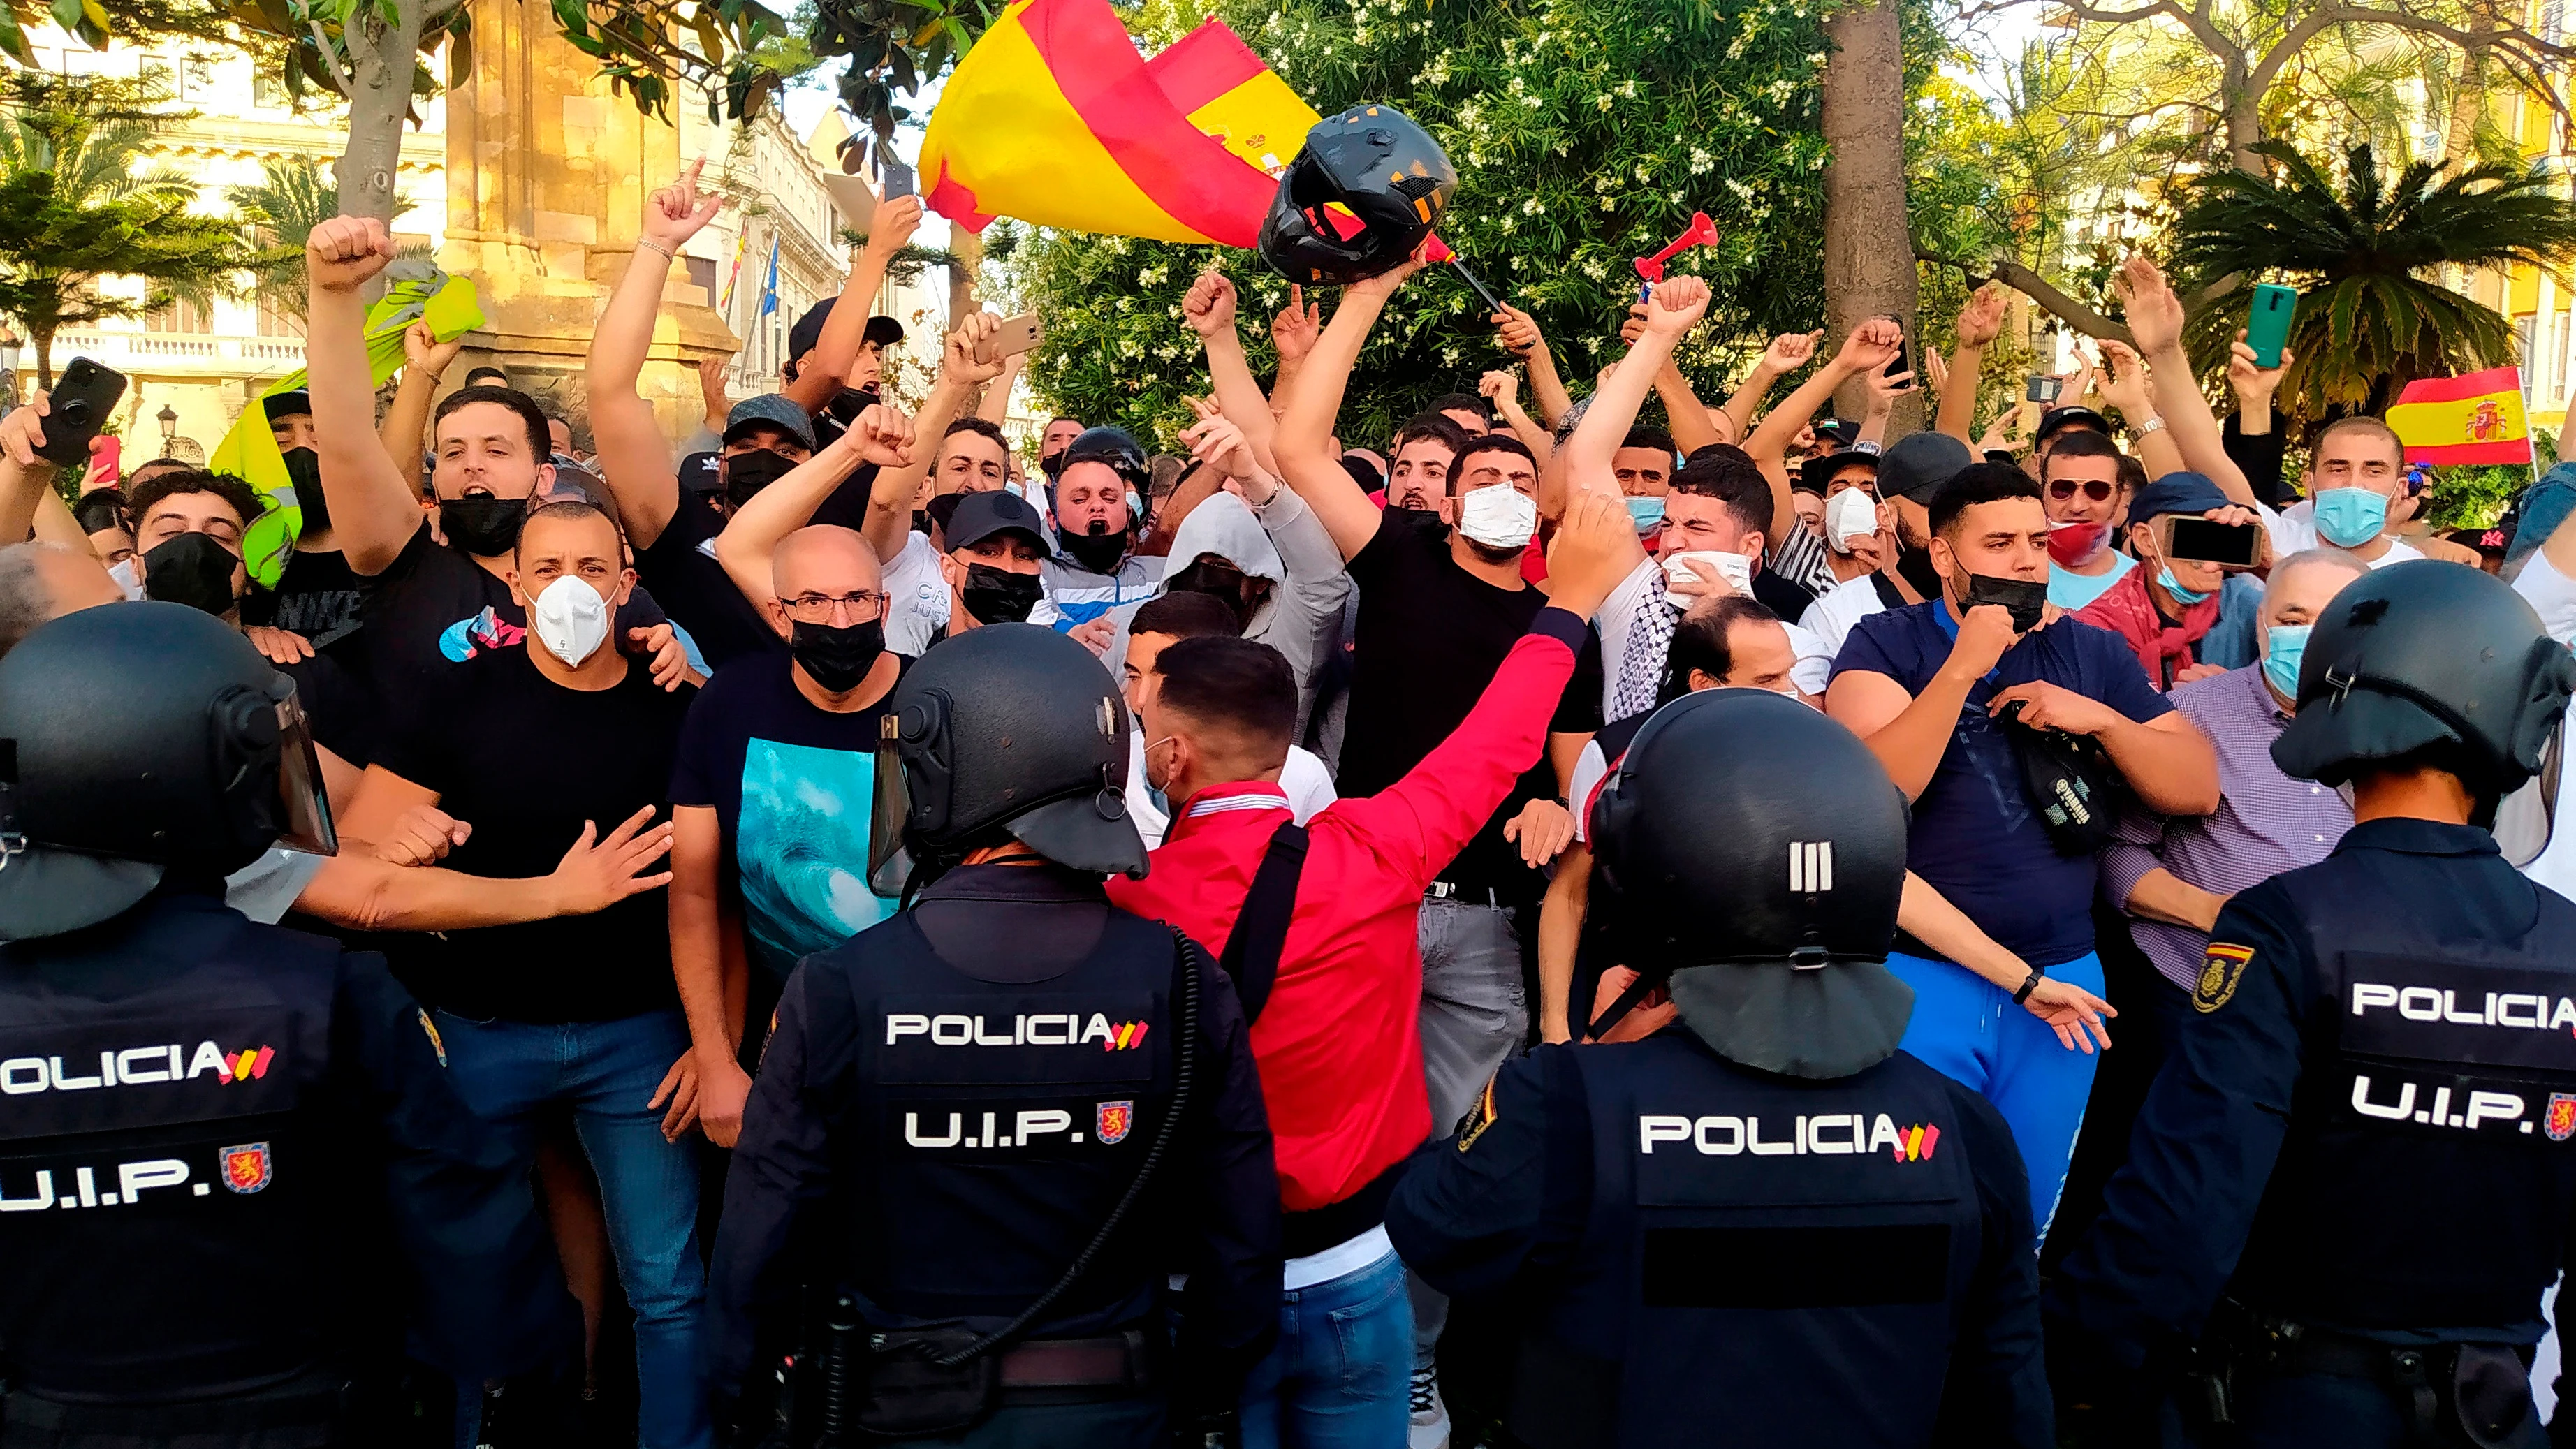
[[2433, 659], [1007, 728], [135, 740], [1389, 180], [1753, 852]]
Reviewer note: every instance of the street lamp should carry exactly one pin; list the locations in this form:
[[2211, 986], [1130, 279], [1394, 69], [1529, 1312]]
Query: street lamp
[[169, 417]]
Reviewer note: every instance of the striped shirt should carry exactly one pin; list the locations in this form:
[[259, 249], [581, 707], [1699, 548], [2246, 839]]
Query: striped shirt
[[2266, 822]]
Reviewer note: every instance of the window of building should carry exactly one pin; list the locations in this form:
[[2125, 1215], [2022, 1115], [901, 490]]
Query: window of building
[[179, 315], [702, 273], [275, 320]]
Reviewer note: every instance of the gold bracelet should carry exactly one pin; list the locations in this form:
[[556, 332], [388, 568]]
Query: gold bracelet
[[647, 242]]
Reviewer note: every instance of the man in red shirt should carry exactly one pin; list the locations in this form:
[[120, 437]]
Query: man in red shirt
[[1334, 1031]]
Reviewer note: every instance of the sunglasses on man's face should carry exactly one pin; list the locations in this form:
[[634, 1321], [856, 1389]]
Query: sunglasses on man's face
[[2095, 489]]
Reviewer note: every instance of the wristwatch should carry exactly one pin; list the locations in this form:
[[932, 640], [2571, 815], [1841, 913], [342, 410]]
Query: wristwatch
[[2028, 986], [2149, 426]]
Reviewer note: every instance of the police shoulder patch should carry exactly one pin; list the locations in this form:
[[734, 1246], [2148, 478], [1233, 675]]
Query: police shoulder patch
[[1478, 1118], [2222, 968]]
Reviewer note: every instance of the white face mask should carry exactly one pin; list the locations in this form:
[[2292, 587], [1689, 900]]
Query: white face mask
[[1497, 515], [1688, 574], [129, 577], [1848, 515], [570, 618]]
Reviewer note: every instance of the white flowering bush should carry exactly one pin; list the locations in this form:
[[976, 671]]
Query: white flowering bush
[[1585, 133]]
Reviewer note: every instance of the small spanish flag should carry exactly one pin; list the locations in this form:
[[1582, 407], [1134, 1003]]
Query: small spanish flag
[[2477, 418]]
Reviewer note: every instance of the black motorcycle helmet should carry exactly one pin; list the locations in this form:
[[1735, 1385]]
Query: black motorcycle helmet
[[2429, 657], [1752, 853], [1391, 180], [1008, 728], [139, 739]]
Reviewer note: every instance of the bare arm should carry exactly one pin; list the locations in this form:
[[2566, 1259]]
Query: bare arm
[[2156, 320], [1910, 732], [1870, 345], [1786, 354], [1504, 390], [1979, 323], [2167, 762], [819, 375], [881, 436], [699, 965], [1209, 309], [1676, 307], [1560, 933], [891, 497], [996, 404], [1693, 425], [374, 506], [634, 457], [406, 429], [1521, 338], [25, 479], [1303, 444], [2125, 387], [2160, 895], [55, 524]]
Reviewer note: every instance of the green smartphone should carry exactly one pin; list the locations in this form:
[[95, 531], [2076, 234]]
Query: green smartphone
[[2267, 325]]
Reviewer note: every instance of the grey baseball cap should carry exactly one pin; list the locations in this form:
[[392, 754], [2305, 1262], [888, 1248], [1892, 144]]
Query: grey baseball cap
[[775, 409]]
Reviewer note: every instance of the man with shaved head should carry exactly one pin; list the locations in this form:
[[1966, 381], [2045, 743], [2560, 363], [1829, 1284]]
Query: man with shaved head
[[770, 801]]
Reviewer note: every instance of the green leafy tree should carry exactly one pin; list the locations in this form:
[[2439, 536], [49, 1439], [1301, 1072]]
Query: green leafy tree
[[80, 199], [2366, 256], [1585, 133]]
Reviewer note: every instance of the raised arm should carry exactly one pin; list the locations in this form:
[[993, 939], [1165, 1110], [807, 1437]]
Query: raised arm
[[634, 457], [1979, 323], [1292, 335], [1879, 393], [1503, 389], [1521, 338], [1303, 444], [2125, 386], [1693, 426], [1675, 308], [820, 375], [2155, 320], [1209, 310], [405, 433], [1787, 353], [25, 479], [961, 371], [1868, 348], [995, 406], [374, 507], [881, 436]]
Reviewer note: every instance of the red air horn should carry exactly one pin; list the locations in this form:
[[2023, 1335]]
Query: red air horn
[[1699, 233]]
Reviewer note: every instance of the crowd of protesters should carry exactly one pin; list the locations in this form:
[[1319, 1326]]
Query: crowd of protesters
[[599, 707]]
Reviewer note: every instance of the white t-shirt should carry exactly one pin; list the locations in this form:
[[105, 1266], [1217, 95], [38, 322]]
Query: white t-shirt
[[1642, 589], [1304, 778], [917, 597], [2294, 529], [2553, 596], [1831, 617], [266, 889], [1589, 767]]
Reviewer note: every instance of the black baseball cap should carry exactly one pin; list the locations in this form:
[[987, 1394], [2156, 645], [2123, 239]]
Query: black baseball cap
[[287, 404], [771, 409], [990, 512], [882, 330], [2070, 416], [1816, 474], [1920, 463]]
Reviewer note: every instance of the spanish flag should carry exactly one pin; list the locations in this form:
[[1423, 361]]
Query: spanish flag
[[1055, 119], [2473, 419]]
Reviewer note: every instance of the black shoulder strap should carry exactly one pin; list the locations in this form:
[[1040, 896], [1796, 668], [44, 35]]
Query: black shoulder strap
[[1251, 955], [1887, 592]]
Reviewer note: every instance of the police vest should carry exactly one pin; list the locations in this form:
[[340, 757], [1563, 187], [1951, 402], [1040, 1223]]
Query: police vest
[[1766, 1262], [167, 1198], [2428, 1172], [987, 1129]]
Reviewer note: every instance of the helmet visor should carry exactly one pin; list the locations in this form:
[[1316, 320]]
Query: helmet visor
[[305, 824], [889, 864], [2526, 818]]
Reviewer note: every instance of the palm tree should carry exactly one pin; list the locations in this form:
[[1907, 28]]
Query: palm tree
[[291, 197], [80, 199], [2373, 314]]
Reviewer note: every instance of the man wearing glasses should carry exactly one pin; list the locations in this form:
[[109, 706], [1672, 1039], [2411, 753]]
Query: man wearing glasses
[[770, 799], [2079, 486]]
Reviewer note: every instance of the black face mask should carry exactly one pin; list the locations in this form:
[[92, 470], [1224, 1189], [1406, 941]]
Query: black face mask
[[304, 469], [998, 596], [1052, 464], [1217, 581], [191, 569], [1914, 565], [2022, 597], [849, 402], [745, 474], [1426, 520], [1099, 550], [838, 656], [481, 524]]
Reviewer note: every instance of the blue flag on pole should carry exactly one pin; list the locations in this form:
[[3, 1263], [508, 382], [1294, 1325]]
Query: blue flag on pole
[[769, 289]]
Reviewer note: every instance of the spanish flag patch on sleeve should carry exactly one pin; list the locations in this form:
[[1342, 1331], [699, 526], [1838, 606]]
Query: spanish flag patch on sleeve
[[2222, 967], [1478, 1118]]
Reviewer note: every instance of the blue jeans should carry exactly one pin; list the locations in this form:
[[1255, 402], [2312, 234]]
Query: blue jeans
[[1968, 1029], [1338, 1376], [605, 1071]]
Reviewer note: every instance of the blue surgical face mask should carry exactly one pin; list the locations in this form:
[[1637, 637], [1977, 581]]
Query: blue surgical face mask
[[2182, 596], [1015, 490], [1645, 513], [2350, 517], [2283, 644]]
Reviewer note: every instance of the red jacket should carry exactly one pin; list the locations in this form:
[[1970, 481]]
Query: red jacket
[[2163, 650], [1340, 1060]]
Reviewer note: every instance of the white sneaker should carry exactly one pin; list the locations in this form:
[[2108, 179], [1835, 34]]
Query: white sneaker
[[1430, 1425]]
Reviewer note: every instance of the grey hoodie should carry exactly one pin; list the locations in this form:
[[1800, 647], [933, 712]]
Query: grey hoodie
[[1286, 544]]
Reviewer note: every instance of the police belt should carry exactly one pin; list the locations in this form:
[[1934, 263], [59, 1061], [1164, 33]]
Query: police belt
[[1041, 1365], [2460, 1391]]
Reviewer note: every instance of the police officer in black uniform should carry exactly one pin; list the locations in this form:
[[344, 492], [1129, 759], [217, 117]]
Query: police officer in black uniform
[[988, 1129], [220, 1142], [2354, 1179], [1769, 1226]]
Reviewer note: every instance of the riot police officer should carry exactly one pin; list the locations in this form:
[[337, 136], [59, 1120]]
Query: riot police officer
[[988, 1129], [213, 1133], [2354, 1179], [1769, 1226]]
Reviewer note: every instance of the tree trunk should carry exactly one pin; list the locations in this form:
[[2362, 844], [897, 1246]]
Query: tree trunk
[[2245, 130], [2469, 91], [1869, 251], [968, 248], [43, 337], [381, 57]]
